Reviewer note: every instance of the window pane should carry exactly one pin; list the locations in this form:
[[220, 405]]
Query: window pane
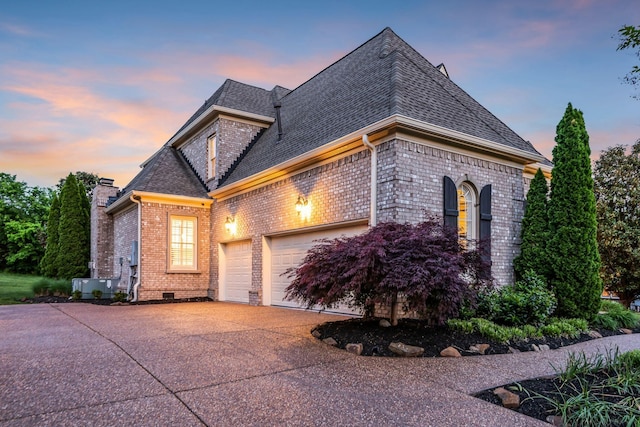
[[182, 247]]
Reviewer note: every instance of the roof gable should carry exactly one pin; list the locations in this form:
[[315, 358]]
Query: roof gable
[[382, 77], [167, 173]]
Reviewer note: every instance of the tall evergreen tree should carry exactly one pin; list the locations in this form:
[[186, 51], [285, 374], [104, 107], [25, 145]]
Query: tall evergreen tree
[[48, 264], [73, 247], [535, 231], [617, 185], [573, 248]]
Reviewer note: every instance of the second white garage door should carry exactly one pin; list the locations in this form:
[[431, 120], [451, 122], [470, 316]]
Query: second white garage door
[[289, 251], [235, 282]]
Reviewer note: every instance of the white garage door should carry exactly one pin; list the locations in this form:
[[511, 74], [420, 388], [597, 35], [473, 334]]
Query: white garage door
[[235, 280], [289, 251]]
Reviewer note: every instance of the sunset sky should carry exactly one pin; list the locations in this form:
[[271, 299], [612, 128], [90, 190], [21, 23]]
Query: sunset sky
[[100, 86]]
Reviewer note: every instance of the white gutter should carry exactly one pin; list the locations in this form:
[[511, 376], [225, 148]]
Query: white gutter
[[374, 180], [137, 284], [463, 139]]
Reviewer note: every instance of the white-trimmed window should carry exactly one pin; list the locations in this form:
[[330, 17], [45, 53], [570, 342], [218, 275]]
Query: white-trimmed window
[[183, 231], [212, 149], [467, 216]]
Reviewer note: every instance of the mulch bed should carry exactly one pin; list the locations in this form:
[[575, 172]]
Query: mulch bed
[[376, 339], [52, 299]]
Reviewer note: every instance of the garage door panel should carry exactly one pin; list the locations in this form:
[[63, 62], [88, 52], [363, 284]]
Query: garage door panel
[[289, 251], [237, 278]]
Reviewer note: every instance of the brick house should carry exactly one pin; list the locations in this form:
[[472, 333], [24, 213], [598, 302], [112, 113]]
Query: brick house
[[245, 186]]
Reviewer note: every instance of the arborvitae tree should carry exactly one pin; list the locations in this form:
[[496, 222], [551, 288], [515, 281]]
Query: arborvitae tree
[[73, 247], [535, 231], [573, 248], [86, 209], [48, 264]]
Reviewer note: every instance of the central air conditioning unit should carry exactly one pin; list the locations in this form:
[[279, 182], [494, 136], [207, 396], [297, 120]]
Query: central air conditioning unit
[[108, 287]]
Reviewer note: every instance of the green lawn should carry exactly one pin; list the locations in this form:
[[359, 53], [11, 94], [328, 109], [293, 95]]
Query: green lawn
[[14, 287]]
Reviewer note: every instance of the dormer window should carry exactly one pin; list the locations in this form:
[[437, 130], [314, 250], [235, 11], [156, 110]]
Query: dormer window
[[212, 149]]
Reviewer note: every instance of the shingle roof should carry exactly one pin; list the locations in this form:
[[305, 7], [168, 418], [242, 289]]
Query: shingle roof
[[382, 77], [167, 173], [240, 96]]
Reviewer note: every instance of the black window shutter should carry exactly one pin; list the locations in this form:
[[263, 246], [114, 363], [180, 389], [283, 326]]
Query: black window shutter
[[485, 221], [450, 203]]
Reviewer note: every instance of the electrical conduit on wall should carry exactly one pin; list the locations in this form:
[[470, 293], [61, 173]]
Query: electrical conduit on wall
[[137, 284]]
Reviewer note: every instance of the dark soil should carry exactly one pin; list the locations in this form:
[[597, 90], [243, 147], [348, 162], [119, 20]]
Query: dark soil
[[535, 394], [376, 339], [52, 299]]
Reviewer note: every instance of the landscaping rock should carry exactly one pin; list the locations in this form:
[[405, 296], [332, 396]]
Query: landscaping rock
[[555, 420], [405, 350], [479, 348], [316, 334], [626, 331], [450, 352], [330, 341], [384, 323], [595, 334], [354, 348], [509, 400], [541, 347], [514, 350]]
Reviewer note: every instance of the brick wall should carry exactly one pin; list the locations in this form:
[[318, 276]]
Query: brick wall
[[125, 232], [337, 192], [154, 275], [232, 137], [195, 150], [410, 181], [101, 232]]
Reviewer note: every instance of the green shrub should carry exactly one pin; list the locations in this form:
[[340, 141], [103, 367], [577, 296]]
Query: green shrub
[[464, 326], [76, 295], [60, 288], [120, 296], [97, 293], [630, 360], [41, 287], [613, 316], [52, 287], [526, 302]]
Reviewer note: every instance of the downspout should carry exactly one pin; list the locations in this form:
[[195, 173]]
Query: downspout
[[374, 181], [137, 284]]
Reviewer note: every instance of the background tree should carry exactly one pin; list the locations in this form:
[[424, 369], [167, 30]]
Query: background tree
[[73, 241], [572, 248], [617, 189], [23, 214], [48, 265], [88, 179], [423, 262], [630, 39], [535, 231]]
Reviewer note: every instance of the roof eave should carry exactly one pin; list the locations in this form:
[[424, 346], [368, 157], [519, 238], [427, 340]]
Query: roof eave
[[353, 140], [125, 200], [209, 115]]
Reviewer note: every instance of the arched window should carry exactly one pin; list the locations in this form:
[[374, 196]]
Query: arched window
[[467, 215]]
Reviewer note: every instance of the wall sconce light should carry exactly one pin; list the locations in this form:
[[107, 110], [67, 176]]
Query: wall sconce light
[[303, 207], [230, 225]]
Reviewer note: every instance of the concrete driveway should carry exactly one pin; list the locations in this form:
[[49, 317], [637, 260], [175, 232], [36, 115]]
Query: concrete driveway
[[220, 364]]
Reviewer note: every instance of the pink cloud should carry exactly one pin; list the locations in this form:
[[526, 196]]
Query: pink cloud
[[66, 119]]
